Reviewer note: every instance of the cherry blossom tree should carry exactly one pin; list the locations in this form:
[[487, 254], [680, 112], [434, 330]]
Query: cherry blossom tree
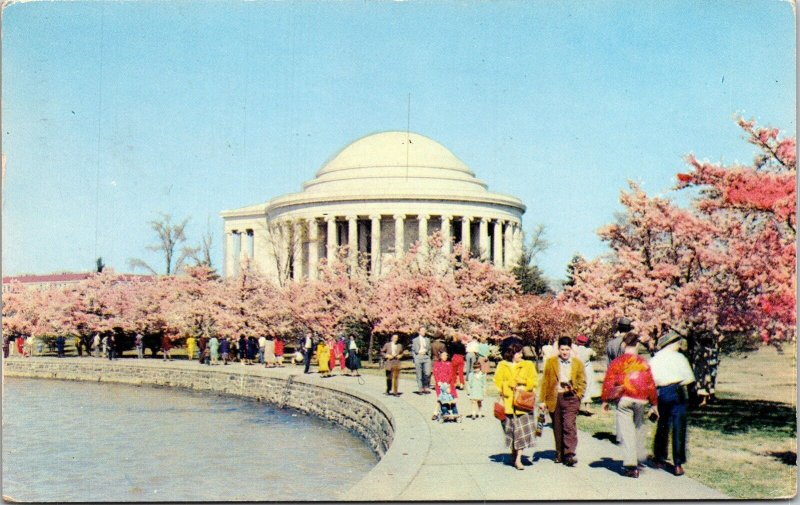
[[250, 305], [329, 305], [189, 303], [754, 208], [416, 290], [724, 268], [23, 312], [449, 294], [539, 320]]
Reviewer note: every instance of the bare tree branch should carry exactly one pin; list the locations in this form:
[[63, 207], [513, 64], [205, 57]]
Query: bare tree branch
[[135, 263], [170, 236], [285, 244]]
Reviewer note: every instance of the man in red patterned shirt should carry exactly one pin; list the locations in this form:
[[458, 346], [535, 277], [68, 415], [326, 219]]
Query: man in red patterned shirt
[[630, 384]]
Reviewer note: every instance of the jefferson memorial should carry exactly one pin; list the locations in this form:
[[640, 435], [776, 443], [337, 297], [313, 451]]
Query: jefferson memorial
[[377, 196]]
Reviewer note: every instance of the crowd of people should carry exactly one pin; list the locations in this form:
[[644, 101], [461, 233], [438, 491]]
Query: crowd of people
[[653, 385], [266, 351], [644, 379], [330, 352]]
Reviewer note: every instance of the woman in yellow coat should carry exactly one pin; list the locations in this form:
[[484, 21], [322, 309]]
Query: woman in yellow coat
[[191, 347], [515, 375], [323, 358]]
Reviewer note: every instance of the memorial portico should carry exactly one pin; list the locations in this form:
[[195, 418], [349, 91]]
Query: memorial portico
[[376, 198]]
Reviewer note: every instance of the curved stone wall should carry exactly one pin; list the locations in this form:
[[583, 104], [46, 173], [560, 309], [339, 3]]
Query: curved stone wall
[[345, 408], [398, 436]]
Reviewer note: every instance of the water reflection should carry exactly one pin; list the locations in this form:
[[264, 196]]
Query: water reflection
[[69, 441]]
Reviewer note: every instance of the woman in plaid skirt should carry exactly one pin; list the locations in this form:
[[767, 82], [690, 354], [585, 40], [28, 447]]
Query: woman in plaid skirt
[[515, 375]]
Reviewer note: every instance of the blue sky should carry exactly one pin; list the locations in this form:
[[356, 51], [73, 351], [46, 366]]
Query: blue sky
[[116, 111]]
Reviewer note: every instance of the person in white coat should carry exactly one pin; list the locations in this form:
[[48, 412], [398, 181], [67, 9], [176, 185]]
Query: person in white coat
[[586, 354]]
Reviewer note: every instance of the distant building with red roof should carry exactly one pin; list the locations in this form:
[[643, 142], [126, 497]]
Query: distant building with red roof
[[50, 281]]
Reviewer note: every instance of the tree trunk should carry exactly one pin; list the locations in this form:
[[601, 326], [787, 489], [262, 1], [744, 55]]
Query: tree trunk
[[369, 348]]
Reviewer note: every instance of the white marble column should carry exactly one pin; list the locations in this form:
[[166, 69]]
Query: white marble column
[[313, 248], [422, 219], [466, 234], [246, 245], [331, 242], [242, 244], [298, 249], [498, 243], [508, 246], [483, 239], [352, 240], [242, 260], [447, 239], [375, 244], [517, 234], [399, 231], [229, 254], [285, 245]]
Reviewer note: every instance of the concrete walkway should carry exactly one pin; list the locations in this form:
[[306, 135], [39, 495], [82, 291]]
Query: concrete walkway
[[430, 461], [467, 460]]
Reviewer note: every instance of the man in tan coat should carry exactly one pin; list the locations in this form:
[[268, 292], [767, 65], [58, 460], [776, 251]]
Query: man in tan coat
[[391, 353], [563, 384]]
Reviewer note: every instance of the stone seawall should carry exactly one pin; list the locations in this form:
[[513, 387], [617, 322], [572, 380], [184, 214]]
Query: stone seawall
[[349, 409]]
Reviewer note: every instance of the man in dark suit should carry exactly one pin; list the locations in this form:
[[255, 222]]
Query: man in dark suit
[[614, 347], [308, 351], [421, 350], [391, 353]]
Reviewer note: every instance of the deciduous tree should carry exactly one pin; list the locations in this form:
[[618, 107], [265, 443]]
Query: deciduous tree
[[722, 269], [170, 237]]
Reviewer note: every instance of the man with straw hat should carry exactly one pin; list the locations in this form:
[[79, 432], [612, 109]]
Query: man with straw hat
[[672, 373], [614, 348]]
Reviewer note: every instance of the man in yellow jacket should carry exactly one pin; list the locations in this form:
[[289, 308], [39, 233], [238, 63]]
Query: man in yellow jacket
[[563, 384]]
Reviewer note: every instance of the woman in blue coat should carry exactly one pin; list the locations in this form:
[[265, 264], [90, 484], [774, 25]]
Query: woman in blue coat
[[225, 349], [252, 349], [242, 349]]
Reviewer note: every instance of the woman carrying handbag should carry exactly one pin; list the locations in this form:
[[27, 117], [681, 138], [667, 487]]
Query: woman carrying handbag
[[516, 380]]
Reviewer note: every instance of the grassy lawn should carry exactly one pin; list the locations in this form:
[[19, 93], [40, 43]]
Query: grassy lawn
[[745, 444]]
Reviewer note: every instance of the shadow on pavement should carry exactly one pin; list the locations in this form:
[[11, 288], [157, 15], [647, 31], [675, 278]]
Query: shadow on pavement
[[505, 458], [551, 455], [615, 465], [500, 458], [605, 435]]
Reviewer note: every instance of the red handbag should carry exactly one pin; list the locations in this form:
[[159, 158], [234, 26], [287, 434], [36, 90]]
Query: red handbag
[[499, 411], [525, 401]]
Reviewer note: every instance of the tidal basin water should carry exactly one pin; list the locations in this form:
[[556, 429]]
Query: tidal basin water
[[80, 441]]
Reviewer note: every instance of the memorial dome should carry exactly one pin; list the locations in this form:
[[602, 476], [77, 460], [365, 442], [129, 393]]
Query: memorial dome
[[392, 163], [377, 197]]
